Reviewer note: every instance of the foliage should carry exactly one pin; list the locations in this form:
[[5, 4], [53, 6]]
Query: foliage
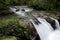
[[11, 27], [45, 4], [4, 3], [40, 4]]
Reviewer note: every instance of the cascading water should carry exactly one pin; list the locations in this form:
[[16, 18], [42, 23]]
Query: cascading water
[[43, 28], [17, 11], [56, 23], [21, 11]]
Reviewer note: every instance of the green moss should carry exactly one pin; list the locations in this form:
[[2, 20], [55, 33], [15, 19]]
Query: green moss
[[10, 26], [10, 38], [5, 20]]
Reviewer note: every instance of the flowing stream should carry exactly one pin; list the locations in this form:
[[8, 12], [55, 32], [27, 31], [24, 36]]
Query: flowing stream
[[43, 28]]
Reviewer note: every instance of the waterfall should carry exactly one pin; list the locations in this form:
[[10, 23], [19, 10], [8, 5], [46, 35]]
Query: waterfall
[[56, 23], [43, 28], [20, 11]]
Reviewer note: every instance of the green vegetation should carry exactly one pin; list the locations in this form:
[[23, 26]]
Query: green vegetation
[[46, 4], [10, 26], [10, 38]]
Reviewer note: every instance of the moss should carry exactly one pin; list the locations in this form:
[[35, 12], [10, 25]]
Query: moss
[[10, 26], [10, 38]]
